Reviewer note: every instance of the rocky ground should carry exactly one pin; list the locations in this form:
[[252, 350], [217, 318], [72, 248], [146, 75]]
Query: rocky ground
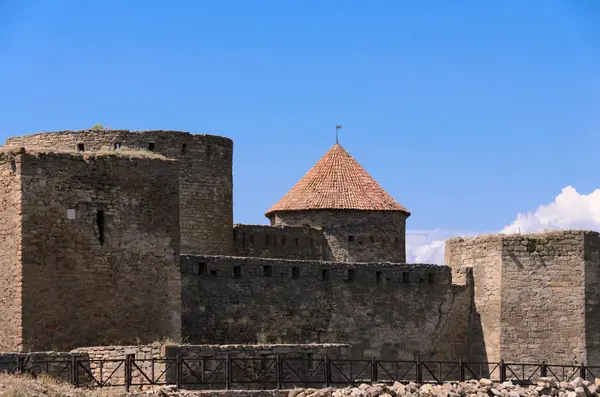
[[25, 386], [483, 388]]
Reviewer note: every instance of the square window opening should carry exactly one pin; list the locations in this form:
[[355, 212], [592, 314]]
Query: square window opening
[[80, 147], [213, 273], [268, 271], [378, 277], [151, 146], [405, 277], [295, 272], [183, 148], [350, 238], [430, 278], [372, 239], [325, 275], [117, 147], [202, 268], [351, 274], [237, 271]]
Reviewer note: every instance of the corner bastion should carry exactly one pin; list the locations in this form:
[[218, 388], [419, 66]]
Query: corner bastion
[[536, 297], [205, 177]]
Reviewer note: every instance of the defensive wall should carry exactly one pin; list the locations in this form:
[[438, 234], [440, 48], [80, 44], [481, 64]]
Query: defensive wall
[[278, 242], [353, 236], [536, 296], [93, 250], [381, 309], [205, 176]]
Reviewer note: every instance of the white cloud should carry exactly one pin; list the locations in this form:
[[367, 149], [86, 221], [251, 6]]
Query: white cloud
[[569, 210]]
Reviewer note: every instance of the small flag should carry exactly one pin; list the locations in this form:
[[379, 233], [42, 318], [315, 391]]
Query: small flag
[[337, 127]]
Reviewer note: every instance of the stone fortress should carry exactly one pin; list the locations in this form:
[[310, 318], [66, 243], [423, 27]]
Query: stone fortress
[[118, 237]]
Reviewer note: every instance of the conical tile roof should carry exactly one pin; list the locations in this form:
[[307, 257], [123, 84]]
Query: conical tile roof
[[336, 182]]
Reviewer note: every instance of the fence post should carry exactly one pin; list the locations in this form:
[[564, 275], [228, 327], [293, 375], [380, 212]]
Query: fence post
[[327, 371], [461, 367], [74, 378], [278, 371], [419, 370], [227, 372], [502, 371], [127, 372], [582, 371], [544, 369], [178, 370]]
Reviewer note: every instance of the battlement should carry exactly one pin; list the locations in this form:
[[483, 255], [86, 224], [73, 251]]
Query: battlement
[[171, 143], [278, 242], [380, 273]]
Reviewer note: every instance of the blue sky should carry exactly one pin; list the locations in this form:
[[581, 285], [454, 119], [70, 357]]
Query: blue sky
[[466, 113]]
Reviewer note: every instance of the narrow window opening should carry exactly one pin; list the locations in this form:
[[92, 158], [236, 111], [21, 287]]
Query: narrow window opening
[[268, 271], [283, 240], [312, 241], [213, 273], [405, 277], [234, 235], [396, 240], [350, 238], [351, 274], [151, 146], [295, 272], [208, 151], [100, 224], [237, 272], [80, 147], [325, 275], [13, 166], [431, 278], [117, 147], [378, 277], [202, 268], [267, 239], [297, 240], [183, 148], [372, 239], [243, 238], [252, 238]]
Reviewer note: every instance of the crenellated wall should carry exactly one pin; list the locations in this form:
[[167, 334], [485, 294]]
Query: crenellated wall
[[205, 176], [278, 242], [380, 309], [354, 236]]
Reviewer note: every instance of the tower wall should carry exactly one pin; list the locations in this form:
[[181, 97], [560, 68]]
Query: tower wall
[[205, 178], [536, 294], [278, 242], [11, 329], [354, 236], [100, 256]]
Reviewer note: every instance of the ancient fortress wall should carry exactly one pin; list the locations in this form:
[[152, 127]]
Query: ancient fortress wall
[[536, 294], [100, 241], [354, 236], [278, 242], [206, 187], [11, 335], [381, 310]]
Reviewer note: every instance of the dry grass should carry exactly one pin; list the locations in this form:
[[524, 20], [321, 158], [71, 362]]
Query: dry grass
[[45, 386], [129, 152]]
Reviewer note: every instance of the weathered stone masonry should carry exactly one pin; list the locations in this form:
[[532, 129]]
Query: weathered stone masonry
[[536, 296], [382, 310], [205, 175], [100, 246]]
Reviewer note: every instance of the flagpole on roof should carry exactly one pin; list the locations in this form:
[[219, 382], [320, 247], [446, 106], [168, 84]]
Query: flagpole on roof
[[337, 127]]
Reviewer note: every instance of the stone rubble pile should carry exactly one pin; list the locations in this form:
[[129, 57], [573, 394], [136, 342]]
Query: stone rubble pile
[[544, 387]]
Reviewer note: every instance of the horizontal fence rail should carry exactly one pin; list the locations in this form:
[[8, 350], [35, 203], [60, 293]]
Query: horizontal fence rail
[[278, 371]]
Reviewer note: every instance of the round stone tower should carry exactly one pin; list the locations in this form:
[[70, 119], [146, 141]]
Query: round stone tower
[[361, 222], [205, 177]]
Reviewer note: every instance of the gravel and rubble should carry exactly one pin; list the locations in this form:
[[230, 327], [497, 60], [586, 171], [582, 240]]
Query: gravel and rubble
[[544, 387]]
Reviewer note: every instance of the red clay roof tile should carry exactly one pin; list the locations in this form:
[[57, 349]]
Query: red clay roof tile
[[337, 182]]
